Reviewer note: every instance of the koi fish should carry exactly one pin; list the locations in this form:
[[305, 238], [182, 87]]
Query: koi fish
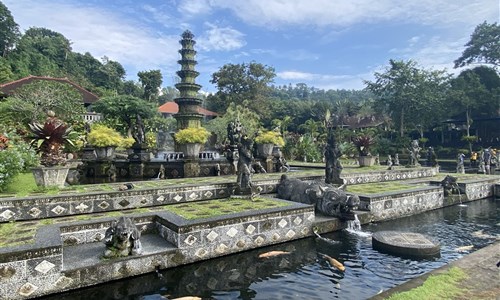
[[272, 253], [464, 248], [335, 263], [188, 298], [480, 234]]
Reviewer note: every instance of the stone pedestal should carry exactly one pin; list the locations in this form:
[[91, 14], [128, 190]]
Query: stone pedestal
[[139, 154], [88, 153], [191, 168], [50, 176]]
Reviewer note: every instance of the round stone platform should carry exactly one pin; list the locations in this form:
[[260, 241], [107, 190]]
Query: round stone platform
[[406, 244]]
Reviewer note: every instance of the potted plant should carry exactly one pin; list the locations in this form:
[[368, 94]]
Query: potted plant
[[363, 144], [190, 140], [49, 140], [266, 141], [105, 140]]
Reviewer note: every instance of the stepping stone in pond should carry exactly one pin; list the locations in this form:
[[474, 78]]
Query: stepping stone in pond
[[405, 244]]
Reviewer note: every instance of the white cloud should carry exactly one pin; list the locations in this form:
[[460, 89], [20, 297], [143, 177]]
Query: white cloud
[[325, 81], [295, 75], [101, 32], [194, 7], [436, 52], [221, 39], [341, 13]]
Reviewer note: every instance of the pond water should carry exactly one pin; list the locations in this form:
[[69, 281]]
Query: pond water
[[304, 273]]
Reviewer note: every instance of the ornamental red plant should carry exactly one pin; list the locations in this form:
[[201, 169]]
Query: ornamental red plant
[[49, 140], [4, 142], [363, 144]]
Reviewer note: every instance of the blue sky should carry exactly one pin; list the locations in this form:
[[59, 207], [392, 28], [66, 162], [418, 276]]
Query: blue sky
[[328, 44]]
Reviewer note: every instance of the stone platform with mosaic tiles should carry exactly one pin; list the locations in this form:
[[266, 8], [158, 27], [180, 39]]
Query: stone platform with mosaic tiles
[[63, 253]]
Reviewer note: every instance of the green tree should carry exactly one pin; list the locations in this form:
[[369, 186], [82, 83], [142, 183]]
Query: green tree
[[469, 96], [151, 82], [132, 88], [6, 74], [32, 101], [168, 93], [410, 95], [248, 118], [483, 46], [9, 31], [239, 82], [124, 111]]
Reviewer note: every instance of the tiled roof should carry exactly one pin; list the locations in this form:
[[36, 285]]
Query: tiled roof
[[10, 87], [172, 108]]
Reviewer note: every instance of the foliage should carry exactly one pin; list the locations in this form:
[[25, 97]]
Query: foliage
[[407, 92], [270, 137], [469, 139], [483, 46], [248, 118], [289, 150], [239, 82], [124, 110], [126, 143], [363, 144], [9, 31], [11, 164], [307, 150], [151, 82], [49, 140], [4, 142], [32, 101], [104, 136], [384, 146], [151, 139], [192, 135], [348, 149]]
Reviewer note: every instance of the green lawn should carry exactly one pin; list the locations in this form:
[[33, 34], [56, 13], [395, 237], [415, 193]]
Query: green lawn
[[442, 286], [380, 187]]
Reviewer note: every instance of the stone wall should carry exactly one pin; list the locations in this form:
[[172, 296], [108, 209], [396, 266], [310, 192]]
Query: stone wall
[[392, 205], [68, 256], [39, 207], [389, 175]]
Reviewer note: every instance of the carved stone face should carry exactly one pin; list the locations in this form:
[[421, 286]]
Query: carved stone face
[[123, 230]]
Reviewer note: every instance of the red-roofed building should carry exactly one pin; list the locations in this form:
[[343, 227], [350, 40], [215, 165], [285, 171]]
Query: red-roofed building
[[171, 108]]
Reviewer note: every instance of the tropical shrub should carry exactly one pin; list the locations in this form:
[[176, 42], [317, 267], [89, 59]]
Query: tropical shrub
[[307, 150], [270, 137], [192, 135], [11, 164], [104, 136]]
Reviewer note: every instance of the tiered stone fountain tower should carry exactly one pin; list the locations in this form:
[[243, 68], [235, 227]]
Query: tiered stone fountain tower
[[188, 115]]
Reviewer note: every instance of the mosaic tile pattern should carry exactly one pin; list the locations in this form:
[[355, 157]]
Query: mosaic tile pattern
[[104, 201], [394, 206]]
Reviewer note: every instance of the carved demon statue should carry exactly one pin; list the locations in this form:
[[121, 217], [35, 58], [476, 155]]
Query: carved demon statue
[[450, 186], [122, 239], [326, 198]]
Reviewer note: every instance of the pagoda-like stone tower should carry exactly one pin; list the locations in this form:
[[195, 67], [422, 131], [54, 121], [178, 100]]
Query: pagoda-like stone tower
[[188, 115]]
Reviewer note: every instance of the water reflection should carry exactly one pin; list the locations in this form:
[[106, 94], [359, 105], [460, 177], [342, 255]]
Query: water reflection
[[305, 274]]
